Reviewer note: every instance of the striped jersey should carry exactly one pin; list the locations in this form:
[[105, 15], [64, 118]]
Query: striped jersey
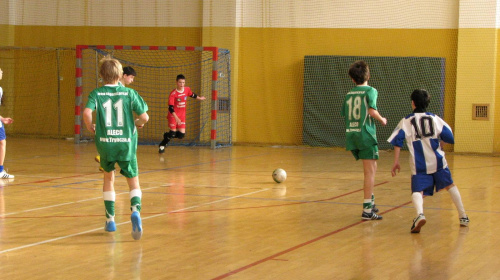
[[423, 133]]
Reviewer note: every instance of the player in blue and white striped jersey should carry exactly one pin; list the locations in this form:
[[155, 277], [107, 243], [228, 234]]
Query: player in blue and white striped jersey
[[3, 137], [423, 132]]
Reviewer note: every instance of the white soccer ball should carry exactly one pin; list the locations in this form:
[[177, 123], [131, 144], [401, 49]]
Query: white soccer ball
[[279, 175]]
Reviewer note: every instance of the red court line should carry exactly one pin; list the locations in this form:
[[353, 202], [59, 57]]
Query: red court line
[[276, 205], [48, 180], [272, 257]]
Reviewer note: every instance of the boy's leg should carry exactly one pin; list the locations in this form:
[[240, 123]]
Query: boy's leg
[[135, 194], [418, 203], [167, 136], [369, 170], [3, 148], [135, 206], [443, 180], [109, 200], [457, 200], [130, 170], [3, 145], [374, 208]]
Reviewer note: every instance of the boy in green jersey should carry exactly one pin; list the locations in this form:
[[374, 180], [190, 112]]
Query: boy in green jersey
[[360, 110], [126, 79], [116, 138]]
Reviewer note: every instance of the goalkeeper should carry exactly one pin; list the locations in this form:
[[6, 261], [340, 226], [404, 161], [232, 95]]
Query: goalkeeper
[[177, 112]]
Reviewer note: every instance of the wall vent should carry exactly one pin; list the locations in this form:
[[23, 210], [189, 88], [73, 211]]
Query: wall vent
[[481, 112], [223, 105]]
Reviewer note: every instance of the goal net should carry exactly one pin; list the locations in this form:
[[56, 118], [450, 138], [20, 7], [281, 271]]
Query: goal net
[[326, 83], [207, 72], [36, 83]]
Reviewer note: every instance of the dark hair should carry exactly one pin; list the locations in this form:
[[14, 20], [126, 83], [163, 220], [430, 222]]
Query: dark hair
[[421, 100], [359, 72], [180, 77], [129, 71]]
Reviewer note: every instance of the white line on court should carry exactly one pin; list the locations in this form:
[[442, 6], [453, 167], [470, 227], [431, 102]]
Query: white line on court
[[100, 228], [62, 204]]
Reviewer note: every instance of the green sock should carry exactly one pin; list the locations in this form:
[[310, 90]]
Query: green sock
[[367, 205], [135, 204], [110, 209], [373, 199]]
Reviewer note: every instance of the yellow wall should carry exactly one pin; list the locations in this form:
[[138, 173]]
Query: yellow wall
[[475, 85], [495, 111], [271, 71], [70, 36]]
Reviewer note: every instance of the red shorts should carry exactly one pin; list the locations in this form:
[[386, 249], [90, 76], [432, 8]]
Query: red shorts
[[172, 123]]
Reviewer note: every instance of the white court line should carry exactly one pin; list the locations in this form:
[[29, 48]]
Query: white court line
[[62, 204], [100, 228]]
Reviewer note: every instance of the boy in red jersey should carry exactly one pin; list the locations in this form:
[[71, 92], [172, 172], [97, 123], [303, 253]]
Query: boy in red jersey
[[177, 112]]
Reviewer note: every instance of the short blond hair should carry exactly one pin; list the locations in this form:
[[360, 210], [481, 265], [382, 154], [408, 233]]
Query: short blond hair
[[110, 70]]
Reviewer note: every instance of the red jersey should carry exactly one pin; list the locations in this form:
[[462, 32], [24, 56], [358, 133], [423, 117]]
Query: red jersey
[[178, 100]]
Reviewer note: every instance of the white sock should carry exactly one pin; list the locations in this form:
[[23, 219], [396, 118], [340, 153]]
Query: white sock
[[457, 199], [135, 192], [109, 196], [418, 202]]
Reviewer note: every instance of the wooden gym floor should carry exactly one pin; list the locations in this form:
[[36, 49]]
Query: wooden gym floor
[[217, 214]]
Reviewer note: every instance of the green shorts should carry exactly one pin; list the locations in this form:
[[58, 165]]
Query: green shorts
[[369, 153], [129, 169]]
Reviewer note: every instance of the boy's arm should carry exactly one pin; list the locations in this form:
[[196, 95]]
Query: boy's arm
[[143, 118], [176, 118], [376, 115], [193, 95], [6, 120], [172, 111], [396, 165], [87, 118]]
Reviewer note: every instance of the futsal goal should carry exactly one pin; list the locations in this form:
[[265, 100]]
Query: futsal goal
[[207, 72]]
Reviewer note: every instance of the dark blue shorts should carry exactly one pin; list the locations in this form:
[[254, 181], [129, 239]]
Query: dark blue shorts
[[2, 133], [426, 182]]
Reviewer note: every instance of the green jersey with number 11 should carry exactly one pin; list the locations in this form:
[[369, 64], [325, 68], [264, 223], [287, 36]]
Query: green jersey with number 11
[[359, 125], [116, 134]]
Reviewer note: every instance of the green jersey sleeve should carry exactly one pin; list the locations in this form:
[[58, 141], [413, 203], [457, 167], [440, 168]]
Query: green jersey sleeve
[[371, 96], [91, 102], [139, 106]]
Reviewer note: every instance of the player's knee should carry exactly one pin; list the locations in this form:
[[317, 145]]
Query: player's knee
[[179, 135], [169, 135]]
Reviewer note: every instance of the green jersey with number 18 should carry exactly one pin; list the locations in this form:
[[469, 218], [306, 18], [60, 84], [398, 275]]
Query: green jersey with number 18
[[359, 125], [116, 133]]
